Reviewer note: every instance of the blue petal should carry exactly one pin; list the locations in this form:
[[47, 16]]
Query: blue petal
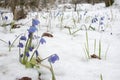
[[9, 43], [29, 35], [23, 38], [94, 20], [35, 22], [42, 41], [32, 29], [102, 18], [53, 58], [21, 45], [6, 17], [101, 23], [31, 48], [36, 52], [27, 54]]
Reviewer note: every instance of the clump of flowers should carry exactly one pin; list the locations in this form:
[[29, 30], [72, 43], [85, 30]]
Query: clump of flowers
[[28, 53]]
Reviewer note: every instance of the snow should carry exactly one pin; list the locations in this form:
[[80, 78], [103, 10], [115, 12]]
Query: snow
[[73, 64]]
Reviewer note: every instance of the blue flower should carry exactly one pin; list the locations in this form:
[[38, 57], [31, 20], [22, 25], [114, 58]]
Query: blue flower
[[35, 22], [6, 17], [94, 20], [102, 18], [29, 35], [42, 41], [23, 38], [9, 43], [32, 29], [31, 48], [21, 45], [27, 54], [36, 52], [53, 58]]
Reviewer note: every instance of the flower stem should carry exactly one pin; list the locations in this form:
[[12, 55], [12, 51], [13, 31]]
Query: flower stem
[[52, 72], [34, 52], [25, 50], [14, 42]]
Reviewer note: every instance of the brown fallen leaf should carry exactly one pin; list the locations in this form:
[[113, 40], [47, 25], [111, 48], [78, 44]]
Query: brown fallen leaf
[[47, 34], [94, 56]]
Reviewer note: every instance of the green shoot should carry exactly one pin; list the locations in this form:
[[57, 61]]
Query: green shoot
[[86, 55], [74, 21], [101, 77], [87, 45], [94, 46], [3, 41], [52, 72], [76, 31], [90, 27], [99, 49], [87, 51], [61, 20], [78, 16]]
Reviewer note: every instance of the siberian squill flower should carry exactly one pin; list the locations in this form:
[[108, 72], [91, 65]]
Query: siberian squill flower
[[101, 23], [36, 52], [102, 18], [27, 54], [31, 48], [20, 45], [32, 29], [42, 41], [35, 22], [94, 20], [6, 17], [23, 38], [9, 43], [53, 58]]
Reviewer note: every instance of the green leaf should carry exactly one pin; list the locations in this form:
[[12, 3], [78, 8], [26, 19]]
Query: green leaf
[[101, 77], [33, 61], [90, 27], [29, 65], [99, 49]]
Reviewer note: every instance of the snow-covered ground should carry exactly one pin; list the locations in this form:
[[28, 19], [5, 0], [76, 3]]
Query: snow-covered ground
[[73, 64]]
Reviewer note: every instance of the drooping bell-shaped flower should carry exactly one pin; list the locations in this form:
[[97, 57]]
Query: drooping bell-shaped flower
[[27, 54], [9, 43], [53, 58], [36, 52], [32, 29], [31, 48], [35, 22], [42, 41], [20, 45], [23, 38]]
